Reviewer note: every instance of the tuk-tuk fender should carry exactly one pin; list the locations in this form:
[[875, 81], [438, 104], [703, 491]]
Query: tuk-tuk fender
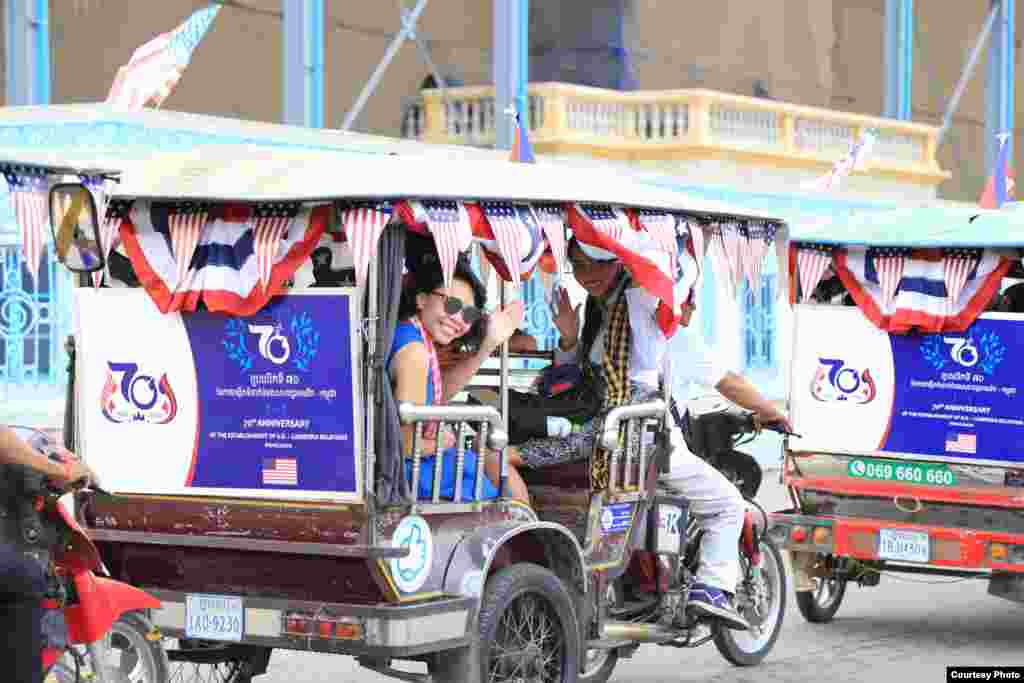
[[473, 558]]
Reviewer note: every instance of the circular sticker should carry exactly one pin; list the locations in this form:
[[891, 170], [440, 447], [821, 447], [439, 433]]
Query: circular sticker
[[607, 519], [411, 572], [472, 583], [858, 468]]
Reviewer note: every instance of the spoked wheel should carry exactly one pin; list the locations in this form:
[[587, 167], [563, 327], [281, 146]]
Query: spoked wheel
[[528, 628], [761, 599], [204, 661], [821, 604], [131, 653]]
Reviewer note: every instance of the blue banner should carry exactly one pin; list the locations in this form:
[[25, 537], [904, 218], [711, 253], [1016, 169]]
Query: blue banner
[[275, 397], [958, 395]]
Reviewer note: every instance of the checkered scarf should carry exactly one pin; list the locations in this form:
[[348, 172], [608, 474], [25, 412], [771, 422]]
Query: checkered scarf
[[617, 345]]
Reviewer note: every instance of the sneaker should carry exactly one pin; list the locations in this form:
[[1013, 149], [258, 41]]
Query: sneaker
[[706, 601]]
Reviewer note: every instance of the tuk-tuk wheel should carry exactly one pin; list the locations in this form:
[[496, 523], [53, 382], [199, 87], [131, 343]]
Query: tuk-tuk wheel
[[818, 606], [527, 630]]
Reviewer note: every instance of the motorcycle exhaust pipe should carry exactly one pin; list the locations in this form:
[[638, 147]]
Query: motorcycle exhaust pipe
[[628, 631]]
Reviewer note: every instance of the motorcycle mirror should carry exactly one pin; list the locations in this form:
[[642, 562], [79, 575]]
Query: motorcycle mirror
[[75, 228]]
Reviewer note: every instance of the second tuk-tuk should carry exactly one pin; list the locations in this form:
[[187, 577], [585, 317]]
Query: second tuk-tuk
[[246, 428], [906, 330]]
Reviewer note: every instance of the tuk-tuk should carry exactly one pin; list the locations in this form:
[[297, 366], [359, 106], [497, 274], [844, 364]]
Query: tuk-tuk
[[904, 387], [246, 430]]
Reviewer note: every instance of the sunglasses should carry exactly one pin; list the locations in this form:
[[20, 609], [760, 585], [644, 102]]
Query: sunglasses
[[453, 306]]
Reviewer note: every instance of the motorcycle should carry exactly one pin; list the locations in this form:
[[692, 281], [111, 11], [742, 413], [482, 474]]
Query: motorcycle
[[653, 594], [94, 628]]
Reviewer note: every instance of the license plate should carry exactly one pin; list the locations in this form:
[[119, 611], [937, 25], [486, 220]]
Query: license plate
[[904, 546], [214, 617]]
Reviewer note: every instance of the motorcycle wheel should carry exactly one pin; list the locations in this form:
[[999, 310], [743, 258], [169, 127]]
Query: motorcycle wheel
[[821, 604], [762, 602], [202, 661], [132, 656]]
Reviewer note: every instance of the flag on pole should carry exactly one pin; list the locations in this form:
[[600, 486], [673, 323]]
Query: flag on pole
[[29, 194], [522, 151], [1000, 186], [362, 226], [156, 67], [853, 161]]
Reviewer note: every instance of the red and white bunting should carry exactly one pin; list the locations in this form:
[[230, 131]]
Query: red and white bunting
[[185, 226], [362, 227], [552, 222], [957, 265], [730, 237], [811, 264], [662, 227], [889, 266], [449, 225], [101, 188], [508, 233], [722, 266], [269, 226], [29, 195]]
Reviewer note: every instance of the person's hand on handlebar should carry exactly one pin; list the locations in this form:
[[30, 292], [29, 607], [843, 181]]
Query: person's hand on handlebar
[[776, 421], [75, 472]]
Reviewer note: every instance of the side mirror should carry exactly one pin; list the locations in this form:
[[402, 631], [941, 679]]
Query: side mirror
[[75, 228]]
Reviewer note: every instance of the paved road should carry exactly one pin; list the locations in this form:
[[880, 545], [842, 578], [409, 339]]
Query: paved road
[[899, 630]]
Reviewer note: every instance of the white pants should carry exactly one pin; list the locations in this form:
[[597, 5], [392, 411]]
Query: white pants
[[719, 509]]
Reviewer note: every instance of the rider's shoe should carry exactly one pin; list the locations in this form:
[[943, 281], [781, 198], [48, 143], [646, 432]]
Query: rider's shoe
[[707, 601]]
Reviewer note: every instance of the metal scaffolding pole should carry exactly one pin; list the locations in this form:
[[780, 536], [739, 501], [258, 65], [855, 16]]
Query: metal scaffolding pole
[[965, 76], [899, 58], [999, 88], [303, 63], [28, 51], [511, 21]]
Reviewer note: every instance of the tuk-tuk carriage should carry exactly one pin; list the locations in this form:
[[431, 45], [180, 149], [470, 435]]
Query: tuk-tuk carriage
[[246, 428], [906, 329]]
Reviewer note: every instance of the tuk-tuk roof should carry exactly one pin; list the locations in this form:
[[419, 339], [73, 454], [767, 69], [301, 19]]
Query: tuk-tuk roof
[[919, 227], [232, 174]]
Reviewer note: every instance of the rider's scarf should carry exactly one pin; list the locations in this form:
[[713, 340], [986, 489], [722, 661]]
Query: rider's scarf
[[430, 429], [617, 344]]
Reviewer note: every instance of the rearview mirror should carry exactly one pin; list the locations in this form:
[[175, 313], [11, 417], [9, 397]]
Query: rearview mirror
[[75, 228]]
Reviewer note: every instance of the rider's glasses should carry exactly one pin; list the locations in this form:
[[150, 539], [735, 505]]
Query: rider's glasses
[[453, 306]]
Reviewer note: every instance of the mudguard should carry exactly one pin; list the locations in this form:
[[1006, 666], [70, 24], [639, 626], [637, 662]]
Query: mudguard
[[100, 603], [475, 553]]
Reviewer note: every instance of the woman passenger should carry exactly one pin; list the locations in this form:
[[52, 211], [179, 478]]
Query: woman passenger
[[431, 315]]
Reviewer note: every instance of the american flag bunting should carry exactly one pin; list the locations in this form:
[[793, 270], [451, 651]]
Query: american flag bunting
[[508, 233], [729, 234], [448, 223], [888, 263], [552, 222], [957, 266], [662, 227], [29, 194], [100, 188], [185, 225], [362, 226], [269, 226], [812, 260]]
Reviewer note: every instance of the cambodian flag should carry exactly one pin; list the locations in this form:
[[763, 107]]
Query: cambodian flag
[[522, 151], [1000, 186]]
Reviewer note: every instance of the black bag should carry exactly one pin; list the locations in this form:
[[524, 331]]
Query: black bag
[[528, 413]]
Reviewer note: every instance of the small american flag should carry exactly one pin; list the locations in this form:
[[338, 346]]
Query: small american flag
[[448, 222], [853, 160], [363, 226], [280, 471], [552, 222], [662, 227], [185, 225], [721, 258], [29, 194], [957, 266], [729, 234], [155, 68], [606, 219], [889, 262], [508, 232], [269, 226], [961, 443], [755, 242], [811, 260]]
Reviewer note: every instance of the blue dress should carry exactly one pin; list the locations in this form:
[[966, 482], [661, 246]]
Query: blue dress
[[407, 333]]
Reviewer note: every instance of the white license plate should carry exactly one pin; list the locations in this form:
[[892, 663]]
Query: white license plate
[[904, 546], [214, 617]]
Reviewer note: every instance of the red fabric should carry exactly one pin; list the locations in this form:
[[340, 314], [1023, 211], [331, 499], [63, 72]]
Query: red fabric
[[987, 200], [224, 301], [101, 603], [645, 272], [904, 320], [482, 230], [407, 215]]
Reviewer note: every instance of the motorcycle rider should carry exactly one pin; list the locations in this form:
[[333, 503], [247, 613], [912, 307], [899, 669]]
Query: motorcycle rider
[[22, 580], [714, 500]]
